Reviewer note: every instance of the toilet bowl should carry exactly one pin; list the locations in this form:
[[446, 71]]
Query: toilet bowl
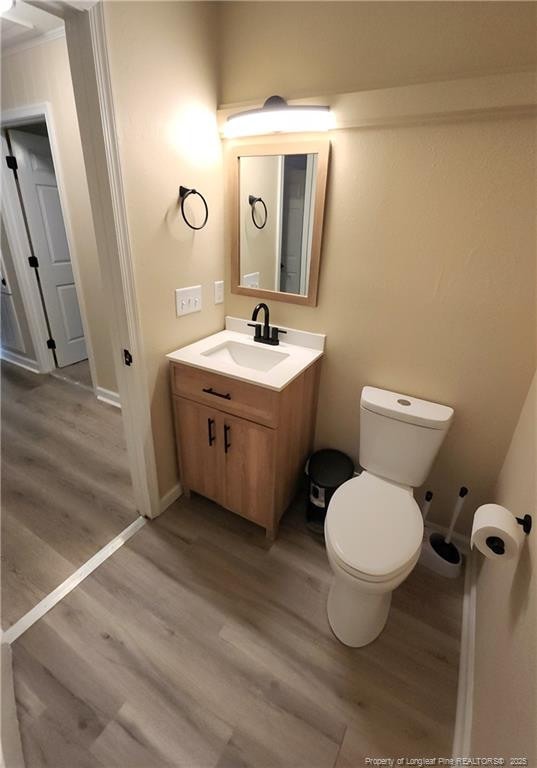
[[373, 527], [373, 534]]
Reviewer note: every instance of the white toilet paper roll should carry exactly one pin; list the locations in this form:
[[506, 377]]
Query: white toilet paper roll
[[496, 533]]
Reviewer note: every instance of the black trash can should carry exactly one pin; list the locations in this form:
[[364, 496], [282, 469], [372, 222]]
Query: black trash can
[[326, 471]]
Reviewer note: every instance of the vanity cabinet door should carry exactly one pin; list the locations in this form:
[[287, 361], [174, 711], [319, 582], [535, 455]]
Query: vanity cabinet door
[[200, 447], [249, 469]]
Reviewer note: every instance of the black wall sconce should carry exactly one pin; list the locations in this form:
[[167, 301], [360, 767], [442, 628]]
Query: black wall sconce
[[253, 200], [185, 192]]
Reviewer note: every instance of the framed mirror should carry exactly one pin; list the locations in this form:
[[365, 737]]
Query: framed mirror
[[278, 195]]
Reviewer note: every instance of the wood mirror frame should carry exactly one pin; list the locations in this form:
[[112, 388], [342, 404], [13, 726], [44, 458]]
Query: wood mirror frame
[[320, 147]]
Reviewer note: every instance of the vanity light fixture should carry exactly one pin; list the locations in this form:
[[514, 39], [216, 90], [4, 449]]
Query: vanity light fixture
[[277, 116]]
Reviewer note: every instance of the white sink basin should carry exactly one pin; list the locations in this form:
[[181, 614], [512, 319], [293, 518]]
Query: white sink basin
[[233, 352], [259, 358]]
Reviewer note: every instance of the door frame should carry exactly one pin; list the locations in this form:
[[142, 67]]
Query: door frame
[[87, 45], [18, 240]]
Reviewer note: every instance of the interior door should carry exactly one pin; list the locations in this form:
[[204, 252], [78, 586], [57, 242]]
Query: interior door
[[200, 448], [39, 192], [10, 330], [249, 468]]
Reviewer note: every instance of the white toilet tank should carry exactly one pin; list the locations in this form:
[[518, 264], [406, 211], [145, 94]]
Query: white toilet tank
[[400, 435]]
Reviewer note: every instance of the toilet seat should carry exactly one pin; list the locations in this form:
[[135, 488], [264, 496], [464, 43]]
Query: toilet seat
[[368, 578], [373, 528]]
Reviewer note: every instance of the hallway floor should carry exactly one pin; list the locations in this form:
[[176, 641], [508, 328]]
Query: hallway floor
[[66, 487], [78, 373], [197, 646]]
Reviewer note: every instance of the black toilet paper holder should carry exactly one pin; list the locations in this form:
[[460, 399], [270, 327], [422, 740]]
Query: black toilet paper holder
[[525, 522]]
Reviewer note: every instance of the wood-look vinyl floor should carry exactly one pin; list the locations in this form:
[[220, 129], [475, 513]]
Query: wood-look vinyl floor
[[66, 488], [196, 646], [78, 373]]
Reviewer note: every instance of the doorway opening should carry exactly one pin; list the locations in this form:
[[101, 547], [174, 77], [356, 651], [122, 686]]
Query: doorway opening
[[35, 192], [67, 492]]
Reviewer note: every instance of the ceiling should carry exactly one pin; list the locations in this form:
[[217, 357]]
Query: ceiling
[[24, 23]]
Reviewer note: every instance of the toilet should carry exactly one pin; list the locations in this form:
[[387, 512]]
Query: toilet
[[373, 527]]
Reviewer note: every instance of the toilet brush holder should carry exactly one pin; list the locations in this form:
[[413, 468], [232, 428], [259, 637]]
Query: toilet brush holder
[[438, 552], [439, 557]]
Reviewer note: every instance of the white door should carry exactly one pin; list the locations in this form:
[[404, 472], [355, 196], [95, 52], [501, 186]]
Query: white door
[[39, 192], [10, 330]]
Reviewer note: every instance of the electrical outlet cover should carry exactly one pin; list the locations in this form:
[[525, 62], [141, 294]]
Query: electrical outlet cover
[[218, 291]]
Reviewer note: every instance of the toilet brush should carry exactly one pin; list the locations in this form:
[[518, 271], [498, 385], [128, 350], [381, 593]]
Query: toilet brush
[[445, 547], [463, 492], [439, 553]]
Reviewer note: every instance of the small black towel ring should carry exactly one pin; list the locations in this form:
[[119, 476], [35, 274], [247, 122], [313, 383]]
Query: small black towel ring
[[253, 200], [184, 192]]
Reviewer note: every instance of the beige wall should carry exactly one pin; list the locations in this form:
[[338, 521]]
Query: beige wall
[[428, 258], [427, 275], [336, 47], [505, 682], [163, 70], [40, 74], [427, 269]]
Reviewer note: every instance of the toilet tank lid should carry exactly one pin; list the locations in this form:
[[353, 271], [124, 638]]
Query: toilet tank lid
[[406, 408]]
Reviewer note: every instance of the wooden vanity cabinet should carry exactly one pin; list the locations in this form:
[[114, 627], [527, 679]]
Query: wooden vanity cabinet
[[242, 445]]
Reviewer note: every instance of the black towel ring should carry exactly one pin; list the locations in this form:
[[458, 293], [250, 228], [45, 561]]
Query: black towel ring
[[184, 192], [253, 200]]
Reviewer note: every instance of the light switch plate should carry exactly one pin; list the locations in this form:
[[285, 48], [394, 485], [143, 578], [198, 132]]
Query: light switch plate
[[218, 291], [251, 280], [187, 300]]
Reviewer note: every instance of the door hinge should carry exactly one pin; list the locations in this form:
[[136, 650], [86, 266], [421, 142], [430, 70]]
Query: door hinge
[[51, 344], [33, 262], [11, 161], [127, 357]]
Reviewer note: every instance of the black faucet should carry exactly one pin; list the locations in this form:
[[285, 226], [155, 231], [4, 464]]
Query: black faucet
[[269, 335]]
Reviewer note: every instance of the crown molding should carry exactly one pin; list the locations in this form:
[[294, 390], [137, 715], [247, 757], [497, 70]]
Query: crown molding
[[24, 45]]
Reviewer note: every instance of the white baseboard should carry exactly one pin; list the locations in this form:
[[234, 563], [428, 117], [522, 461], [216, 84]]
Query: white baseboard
[[462, 736], [38, 611], [108, 396], [171, 496], [23, 362]]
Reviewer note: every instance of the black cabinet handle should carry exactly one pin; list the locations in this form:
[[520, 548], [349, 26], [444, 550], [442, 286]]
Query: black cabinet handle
[[212, 437], [211, 391], [227, 444]]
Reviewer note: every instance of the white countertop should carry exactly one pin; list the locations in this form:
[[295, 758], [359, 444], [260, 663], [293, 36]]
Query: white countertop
[[303, 352]]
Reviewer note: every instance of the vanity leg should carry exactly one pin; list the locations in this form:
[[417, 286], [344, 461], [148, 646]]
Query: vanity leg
[[271, 533]]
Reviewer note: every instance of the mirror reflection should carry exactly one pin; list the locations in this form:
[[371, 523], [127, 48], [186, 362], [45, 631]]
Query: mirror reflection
[[276, 215]]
